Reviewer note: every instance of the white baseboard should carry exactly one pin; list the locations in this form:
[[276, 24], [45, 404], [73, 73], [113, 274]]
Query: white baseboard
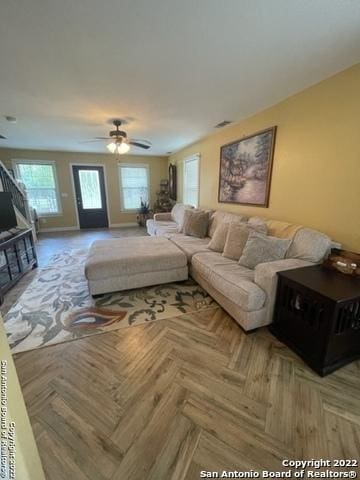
[[58, 229], [67, 229], [119, 225]]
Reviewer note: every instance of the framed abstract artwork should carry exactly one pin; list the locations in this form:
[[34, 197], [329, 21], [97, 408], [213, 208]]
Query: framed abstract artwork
[[245, 169]]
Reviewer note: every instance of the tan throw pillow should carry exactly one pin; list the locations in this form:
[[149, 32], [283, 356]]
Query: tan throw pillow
[[260, 248], [217, 243], [196, 223], [236, 239], [220, 216]]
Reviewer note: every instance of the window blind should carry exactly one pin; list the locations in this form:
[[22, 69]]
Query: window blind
[[191, 180], [134, 185]]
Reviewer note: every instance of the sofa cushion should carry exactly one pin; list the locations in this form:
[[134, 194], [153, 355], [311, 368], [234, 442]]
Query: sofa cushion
[[236, 239], [258, 224], [280, 229], [165, 228], [234, 269], [190, 245], [196, 223], [217, 243], [309, 245], [235, 282], [261, 248], [220, 217], [204, 262]]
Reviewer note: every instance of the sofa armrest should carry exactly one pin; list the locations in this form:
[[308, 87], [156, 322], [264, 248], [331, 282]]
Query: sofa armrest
[[266, 278], [163, 217]]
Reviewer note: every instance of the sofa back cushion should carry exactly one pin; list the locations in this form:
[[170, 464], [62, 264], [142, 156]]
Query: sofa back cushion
[[177, 214], [309, 245], [196, 223], [260, 248], [280, 229], [258, 224], [220, 217]]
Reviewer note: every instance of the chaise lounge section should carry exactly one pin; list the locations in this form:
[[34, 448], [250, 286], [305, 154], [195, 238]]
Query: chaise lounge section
[[120, 264]]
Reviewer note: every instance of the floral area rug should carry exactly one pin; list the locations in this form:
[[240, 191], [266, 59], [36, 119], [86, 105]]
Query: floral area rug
[[57, 306]]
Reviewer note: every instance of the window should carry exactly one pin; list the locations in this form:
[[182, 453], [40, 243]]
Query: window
[[40, 181], [191, 180], [134, 186]]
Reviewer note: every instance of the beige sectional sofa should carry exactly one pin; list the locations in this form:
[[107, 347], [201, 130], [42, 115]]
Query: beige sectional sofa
[[247, 295]]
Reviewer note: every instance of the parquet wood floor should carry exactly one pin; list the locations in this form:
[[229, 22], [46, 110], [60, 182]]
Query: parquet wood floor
[[165, 400]]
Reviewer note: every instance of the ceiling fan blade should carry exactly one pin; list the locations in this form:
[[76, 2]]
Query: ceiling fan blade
[[91, 141], [2, 137], [140, 145], [141, 140], [102, 138]]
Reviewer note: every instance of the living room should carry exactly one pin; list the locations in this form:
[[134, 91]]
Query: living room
[[180, 239]]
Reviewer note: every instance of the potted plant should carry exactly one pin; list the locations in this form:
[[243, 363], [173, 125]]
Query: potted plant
[[143, 212]]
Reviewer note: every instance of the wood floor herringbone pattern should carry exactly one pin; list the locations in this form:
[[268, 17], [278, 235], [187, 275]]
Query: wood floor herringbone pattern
[[165, 400]]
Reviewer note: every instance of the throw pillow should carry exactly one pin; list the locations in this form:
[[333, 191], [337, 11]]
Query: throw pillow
[[259, 249], [196, 223], [236, 239], [257, 224], [217, 243], [220, 216]]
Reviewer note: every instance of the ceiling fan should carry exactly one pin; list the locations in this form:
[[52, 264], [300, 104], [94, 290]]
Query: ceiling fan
[[119, 142], [2, 137]]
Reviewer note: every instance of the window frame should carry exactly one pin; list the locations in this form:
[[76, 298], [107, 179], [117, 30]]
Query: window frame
[[132, 165], [191, 158], [17, 161]]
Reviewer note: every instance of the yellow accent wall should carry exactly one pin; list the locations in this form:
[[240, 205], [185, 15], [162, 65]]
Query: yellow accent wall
[[316, 170], [63, 160]]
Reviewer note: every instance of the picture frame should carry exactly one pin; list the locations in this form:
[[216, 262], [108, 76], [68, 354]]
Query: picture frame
[[246, 168]]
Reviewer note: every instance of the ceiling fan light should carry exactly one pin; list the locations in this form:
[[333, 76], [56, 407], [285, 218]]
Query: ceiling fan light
[[111, 146], [123, 147]]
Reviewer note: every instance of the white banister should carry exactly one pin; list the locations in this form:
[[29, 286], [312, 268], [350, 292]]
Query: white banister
[[11, 178], [19, 197]]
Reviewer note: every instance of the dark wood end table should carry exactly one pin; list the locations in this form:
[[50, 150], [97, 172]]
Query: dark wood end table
[[317, 314]]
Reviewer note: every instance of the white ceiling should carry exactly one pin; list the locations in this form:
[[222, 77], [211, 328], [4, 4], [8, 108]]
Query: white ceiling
[[173, 68]]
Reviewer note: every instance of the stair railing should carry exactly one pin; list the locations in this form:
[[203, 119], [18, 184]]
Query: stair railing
[[18, 194]]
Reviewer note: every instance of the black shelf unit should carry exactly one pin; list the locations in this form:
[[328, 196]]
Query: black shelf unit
[[17, 256]]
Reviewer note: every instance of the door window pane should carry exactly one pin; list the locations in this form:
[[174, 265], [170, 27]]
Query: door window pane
[[90, 189]]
